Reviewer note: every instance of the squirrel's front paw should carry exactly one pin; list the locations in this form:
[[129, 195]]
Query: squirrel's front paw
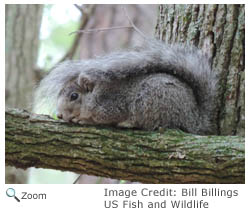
[[75, 120], [82, 122], [78, 121]]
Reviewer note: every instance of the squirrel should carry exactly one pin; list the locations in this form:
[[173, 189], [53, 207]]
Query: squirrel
[[152, 86]]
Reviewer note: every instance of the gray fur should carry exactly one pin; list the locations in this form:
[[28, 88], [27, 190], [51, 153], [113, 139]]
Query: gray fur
[[156, 85]]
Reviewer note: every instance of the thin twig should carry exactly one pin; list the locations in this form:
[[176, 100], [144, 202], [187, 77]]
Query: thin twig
[[100, 29], [132, 24], [85, 18], [79, 8], [77, 179]]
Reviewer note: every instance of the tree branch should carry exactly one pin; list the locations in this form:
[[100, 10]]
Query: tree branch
[[147, 157]]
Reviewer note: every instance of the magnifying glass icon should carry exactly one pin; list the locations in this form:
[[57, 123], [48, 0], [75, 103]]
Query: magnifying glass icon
[[10, 192]]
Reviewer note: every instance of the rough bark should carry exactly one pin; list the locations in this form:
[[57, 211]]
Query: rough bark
[[148, 157], [220, 31], [21, 44]]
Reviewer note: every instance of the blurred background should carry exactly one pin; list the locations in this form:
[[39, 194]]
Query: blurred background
[[58, 21]]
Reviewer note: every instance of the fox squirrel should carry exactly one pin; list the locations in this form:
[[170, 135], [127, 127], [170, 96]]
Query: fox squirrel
[[155, 85]]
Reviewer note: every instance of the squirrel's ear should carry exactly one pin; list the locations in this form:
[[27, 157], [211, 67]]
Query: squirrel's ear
[[86, 83]]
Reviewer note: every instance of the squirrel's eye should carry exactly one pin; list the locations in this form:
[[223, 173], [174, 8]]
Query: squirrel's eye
[[73, 96]]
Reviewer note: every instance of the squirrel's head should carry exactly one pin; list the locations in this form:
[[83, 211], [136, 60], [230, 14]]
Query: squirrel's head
[[74, 101]]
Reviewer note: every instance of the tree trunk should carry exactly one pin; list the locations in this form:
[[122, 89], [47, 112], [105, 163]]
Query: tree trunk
[[22, 36], [21, 48], [220, 31], [147, 157]]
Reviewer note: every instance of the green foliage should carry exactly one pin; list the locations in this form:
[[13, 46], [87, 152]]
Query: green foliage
[[60, 37]]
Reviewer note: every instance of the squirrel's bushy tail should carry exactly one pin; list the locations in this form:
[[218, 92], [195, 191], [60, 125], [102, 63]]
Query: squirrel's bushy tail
[[191, 66]]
